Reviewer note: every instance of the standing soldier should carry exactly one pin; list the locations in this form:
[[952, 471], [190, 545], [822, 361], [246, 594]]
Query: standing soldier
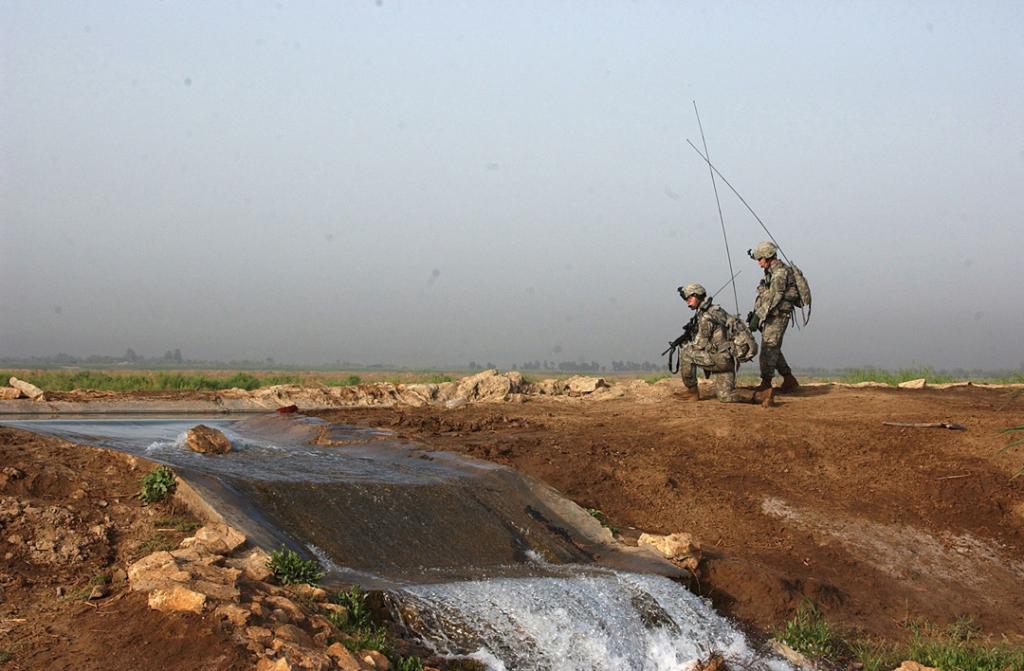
[[776, 295], [711, 348]]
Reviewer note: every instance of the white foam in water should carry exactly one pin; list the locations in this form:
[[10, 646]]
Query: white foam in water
[[180, 442], [602, 622], [325, 560]]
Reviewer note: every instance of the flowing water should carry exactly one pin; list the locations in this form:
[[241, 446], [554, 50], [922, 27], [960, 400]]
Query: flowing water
[[478, 559]]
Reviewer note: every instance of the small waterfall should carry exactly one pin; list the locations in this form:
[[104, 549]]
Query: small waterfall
[[479, 560], [592, 621]]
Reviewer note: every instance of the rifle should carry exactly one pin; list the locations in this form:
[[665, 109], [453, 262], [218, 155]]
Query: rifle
[[688, 332]]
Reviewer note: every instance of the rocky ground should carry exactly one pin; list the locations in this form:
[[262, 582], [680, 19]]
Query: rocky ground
[[70, 525], [815, 498]]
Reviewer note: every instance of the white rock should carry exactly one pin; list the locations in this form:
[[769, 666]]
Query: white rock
[[177, 598], [215, 538], [28, 389], [580, 384]]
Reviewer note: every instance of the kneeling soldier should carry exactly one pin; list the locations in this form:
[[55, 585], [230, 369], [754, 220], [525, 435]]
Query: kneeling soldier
[[711, 349]]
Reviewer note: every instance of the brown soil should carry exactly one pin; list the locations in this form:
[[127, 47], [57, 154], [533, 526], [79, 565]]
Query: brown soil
[[69, 520], [814, 498]]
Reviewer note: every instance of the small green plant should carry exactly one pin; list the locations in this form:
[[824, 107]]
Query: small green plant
[[809, 633], [291, 569], [176, 523], [651, 379], [83, 593], [409, 664], [156, 543], [157, 485], [5, 656], [874, 655], [599, 515], [362, 632], [339, 620], [374, 638], [959, 648], [439, 379], [354, 602], [1012, 444]]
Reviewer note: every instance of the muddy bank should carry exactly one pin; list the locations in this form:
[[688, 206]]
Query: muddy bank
[[815, 498], [71, 525]]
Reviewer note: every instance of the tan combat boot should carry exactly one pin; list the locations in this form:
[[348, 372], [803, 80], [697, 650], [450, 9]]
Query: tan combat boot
[[766, 397], [766, 383], [690, 394], [789, 384]]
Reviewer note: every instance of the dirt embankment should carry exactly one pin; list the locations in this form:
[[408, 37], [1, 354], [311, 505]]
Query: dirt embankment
[[814, 498], [69, 527]]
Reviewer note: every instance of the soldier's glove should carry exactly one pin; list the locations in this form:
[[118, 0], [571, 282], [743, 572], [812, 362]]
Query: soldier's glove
[[753, 321]]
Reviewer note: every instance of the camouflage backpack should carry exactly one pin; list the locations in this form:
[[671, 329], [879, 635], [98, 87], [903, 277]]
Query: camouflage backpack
[[744, 346], [803, 290]]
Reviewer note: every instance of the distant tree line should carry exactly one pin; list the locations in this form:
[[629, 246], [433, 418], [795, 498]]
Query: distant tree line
[[564, 366], [172, 358]]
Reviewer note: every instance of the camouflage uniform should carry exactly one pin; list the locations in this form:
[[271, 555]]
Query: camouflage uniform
[[776, 294], [711, 350]]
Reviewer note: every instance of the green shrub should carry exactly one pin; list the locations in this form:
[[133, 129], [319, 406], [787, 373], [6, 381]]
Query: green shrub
[[372, 638], [339, 620], [5, 656], [157, 485], [290, 569], [874, 655], [955, 648], [958, 648], [363, 632], [354, 601], [810, 634], [599, 515], [409, 664], [243, 381], [1014, 443]]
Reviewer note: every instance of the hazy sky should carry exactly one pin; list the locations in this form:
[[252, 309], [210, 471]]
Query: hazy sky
[[429, 183]]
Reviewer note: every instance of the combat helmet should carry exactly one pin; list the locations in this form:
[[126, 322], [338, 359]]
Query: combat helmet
[[693, 289], [764, 250]]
